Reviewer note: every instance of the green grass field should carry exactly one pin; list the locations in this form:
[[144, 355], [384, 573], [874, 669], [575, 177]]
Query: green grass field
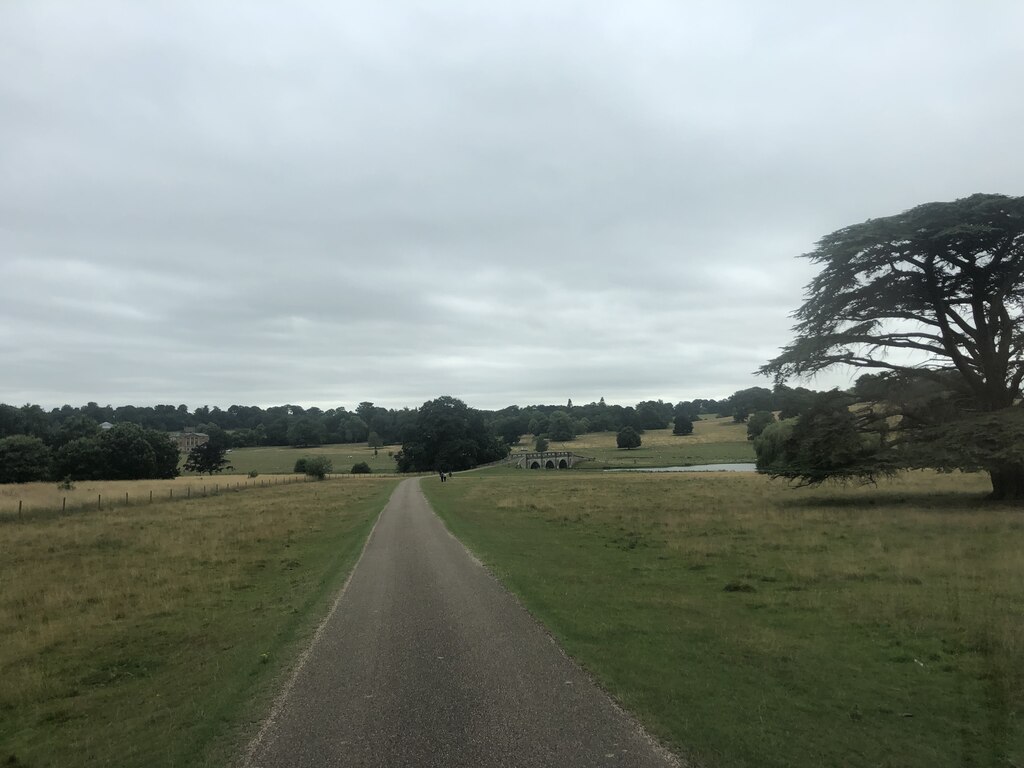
[[154, 635], [751, 624], [714, 441], [281, 459]]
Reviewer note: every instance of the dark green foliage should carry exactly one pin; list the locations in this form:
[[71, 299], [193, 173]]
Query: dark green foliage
[[790, 402], [683, 416], [447, 435], [305, 431], [362, 468], [373, 440], [541, 444], [757, 422], [23, 459], [627, 438], [80, 459], [207, 459], [300, 465], [746, 401], [78, 426], [943, 281], [652, 414], [319, 467], [130, 452], [827, 442], [560, 426]]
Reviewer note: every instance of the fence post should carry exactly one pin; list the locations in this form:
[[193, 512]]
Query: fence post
[[64, 505], [19, 509], [99, 502], [126, 498], [150, 497]]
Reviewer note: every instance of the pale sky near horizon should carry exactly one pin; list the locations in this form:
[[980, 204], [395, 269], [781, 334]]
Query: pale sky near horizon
[[321, 203]]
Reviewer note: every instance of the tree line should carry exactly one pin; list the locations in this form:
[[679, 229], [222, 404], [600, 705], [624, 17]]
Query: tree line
[[68, 442]]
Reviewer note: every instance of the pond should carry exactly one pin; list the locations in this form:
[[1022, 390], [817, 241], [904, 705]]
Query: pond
[[694, 468]]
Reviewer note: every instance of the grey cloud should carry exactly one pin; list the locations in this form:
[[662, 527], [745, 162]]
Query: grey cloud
[[323, 204]]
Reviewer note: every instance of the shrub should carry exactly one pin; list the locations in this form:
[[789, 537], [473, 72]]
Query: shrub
[[300, 465], [319, 467], [362, 468], [253, 473], [627, 438]]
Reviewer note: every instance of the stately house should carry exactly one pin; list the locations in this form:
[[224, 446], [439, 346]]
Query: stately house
[[189, 439]]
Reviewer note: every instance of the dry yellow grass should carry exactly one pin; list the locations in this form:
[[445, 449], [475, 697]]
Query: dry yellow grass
[[50, 497], [145, 635]]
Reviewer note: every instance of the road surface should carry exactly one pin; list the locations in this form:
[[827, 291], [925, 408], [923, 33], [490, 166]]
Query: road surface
[[427, 661]]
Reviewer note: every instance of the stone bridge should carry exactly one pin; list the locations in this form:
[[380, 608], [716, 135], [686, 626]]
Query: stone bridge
[[546, 460]]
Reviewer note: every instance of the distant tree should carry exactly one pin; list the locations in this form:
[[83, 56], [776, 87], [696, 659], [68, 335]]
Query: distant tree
[[300, 466], [12, 421], [23, 459], [757, 422], [305, 431], [319, 467], [561, 426], [746, 401], [373, 440], [362, 468], [219, 438], [652, 414], [511, 429], [790, 402], [682, 419], [941, 283], [76, 427], [133, 453], [448, 435], [207, 459], [627, 438], [541, 444], [80, 459]]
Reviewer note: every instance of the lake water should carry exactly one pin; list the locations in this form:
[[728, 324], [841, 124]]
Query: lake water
[[694, 468]]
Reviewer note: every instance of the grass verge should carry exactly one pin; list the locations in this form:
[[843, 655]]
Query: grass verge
[[155, 635], [750, 624]]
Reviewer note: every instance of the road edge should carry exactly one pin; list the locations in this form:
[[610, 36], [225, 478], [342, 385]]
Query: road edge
[[670, 756], [300, 662]]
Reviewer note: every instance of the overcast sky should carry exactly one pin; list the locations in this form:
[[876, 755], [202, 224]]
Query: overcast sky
[[326, 202]]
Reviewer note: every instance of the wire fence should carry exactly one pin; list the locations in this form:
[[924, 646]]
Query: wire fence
[[29, 509]]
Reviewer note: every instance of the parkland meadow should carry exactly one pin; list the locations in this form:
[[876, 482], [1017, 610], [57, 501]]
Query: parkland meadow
[[747, 623], [40, 499], [714, 441], [155, 635], [279, 459]]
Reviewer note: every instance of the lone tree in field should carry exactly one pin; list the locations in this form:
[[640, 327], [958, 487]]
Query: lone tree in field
[[207, 459], [448, 435], [627, 438], [318, 467], [933, 298]]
